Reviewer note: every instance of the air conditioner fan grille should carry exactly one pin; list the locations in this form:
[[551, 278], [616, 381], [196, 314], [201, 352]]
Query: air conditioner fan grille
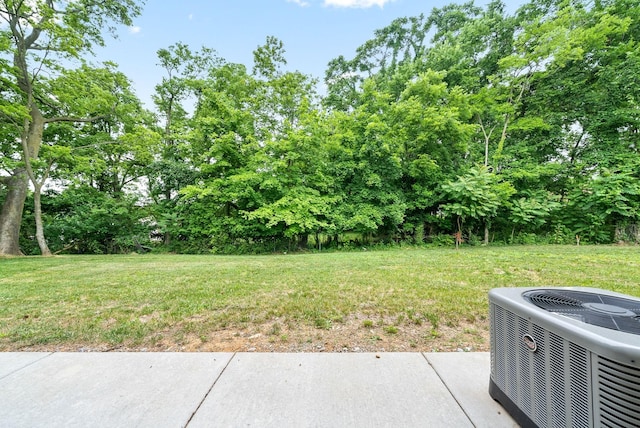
[[612, 312], [549, 300]]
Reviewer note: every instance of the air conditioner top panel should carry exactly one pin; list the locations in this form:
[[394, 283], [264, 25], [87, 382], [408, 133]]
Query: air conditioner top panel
[[604, 310], [602, 321]]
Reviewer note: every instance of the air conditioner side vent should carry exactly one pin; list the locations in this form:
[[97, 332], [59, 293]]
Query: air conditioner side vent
[[618, 394], [558, 388], [525, 371], [540, 378], [550, 385], [579, 385]]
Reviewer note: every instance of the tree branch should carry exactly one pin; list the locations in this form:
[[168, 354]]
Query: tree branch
[[75, 119], [46, 102], [10, 119], [39, 47], [103, 143], [574, 150], [35, 34], [66, 247]]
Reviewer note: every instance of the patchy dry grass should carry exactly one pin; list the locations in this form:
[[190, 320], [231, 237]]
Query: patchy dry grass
[[406, 299]]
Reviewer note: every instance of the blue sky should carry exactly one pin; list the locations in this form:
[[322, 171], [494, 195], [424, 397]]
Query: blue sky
[[313, 31]]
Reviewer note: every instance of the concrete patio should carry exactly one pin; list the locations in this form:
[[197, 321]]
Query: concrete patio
[[247, 389]]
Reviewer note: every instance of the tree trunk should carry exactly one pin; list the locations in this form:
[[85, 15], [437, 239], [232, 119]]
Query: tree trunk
[[37, 206], [11, 215], [18, 184], [166, 238], [486, 233], [303, 241], [31, 142]]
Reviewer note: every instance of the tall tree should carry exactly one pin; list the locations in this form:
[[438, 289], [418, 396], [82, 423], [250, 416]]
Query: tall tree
[[430, 125], [109, 152], [401, 43], [44, 36], [367, 166], [176, 96], [223, 142]]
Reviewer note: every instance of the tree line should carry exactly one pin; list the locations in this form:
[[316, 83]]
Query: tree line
[[469, 124]]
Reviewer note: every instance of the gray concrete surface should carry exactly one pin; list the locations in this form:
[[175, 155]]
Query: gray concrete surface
[[466, 376], [247, 389]]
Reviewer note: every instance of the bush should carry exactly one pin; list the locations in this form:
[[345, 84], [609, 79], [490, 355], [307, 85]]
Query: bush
[[561, 235], [442, 240], [526, 238], [86, 221]]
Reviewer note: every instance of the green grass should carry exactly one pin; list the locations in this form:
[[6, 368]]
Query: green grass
[[136, 300]]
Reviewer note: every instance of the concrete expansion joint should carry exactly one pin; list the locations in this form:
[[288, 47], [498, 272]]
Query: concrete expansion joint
[[210, 389], [25, 366], [453, 394]]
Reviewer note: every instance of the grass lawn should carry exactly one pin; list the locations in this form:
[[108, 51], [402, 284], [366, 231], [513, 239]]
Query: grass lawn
[[403, 299]]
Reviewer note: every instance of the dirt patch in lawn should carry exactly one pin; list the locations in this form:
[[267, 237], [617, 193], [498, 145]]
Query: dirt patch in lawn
[[356, 334]]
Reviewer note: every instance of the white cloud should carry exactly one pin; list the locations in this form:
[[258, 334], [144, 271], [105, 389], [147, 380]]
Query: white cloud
[[134, 29], [299, 2], [190, 17], [356, 3]]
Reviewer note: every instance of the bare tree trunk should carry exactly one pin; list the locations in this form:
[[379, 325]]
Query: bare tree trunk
[[11, 215], [458, 234], [37, 206], [487, 137], [486, 233], [31, 141]]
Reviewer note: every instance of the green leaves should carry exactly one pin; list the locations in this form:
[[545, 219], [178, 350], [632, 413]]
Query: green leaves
[[533, 211], [269, 58], [91, 221], [300, 211], [546, 99], [477, 194]]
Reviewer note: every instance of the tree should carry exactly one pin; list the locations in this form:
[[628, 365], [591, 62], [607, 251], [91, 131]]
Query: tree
[[430, 125], [257, 141], [457, 43], [532, 212], [602, 208], [43, 36], [477, 195], [84, 220], [223, 143], [181, 90], [109, 151], [366, 162], [294, 176], [399, 44]]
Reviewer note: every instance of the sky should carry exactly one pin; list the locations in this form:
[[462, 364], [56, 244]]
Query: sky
[[313, 31]]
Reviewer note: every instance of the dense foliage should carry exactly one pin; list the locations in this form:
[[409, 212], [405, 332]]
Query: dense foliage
[[471, 123]]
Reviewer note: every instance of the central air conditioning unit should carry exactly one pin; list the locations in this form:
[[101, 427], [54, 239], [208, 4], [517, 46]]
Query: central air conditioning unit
[[566, 357]]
